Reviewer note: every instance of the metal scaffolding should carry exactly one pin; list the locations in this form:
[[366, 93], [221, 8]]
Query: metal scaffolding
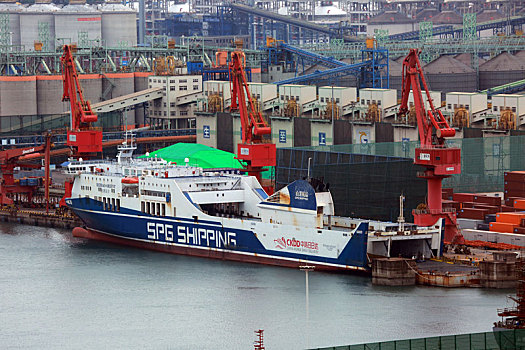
[[469, 26]]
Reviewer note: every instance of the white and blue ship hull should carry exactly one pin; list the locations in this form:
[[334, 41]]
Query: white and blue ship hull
[[225, 238]]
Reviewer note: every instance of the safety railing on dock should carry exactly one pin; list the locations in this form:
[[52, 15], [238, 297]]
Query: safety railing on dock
[[504, 340]]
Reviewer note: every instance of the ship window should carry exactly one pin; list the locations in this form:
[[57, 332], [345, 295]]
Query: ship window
[[112, 204], [104, 203], [158, 209], [142, 207], [163, 209]]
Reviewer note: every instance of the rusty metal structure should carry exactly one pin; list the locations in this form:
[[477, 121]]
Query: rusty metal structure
[[514, 317], [373, 114], [461, 117], [507, 120]]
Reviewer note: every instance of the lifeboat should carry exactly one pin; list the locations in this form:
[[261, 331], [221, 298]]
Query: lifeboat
[[130, 180]]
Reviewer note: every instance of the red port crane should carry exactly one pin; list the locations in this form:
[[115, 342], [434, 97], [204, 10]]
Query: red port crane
[[439, 160], [254, 153], [17, 157], [82, 137]]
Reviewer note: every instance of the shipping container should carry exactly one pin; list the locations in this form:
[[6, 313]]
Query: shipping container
[[490, 208], [494, 201], [511, 218], [519, 230], [483, 227], [463, 197], [471, 213], [519, 204], [514, 176], [490, 218], [502, 227]]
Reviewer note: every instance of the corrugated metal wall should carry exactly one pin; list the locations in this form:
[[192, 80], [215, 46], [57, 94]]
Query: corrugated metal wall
[[342, 132], [224, 132], [384, 132], [365, 186], [301, 132]]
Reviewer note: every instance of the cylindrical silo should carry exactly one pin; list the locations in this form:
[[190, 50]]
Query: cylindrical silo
[[37, 24], [394, 21], [520, 55], [447, 74], [78, 21], [17, 102], [141, 83], [49, 95], [447, 17], [502, 69], [119, 24], [13, 9], [91, 87]]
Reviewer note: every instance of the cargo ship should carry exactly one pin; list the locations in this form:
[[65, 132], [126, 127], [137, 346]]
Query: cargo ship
[[221, 213]]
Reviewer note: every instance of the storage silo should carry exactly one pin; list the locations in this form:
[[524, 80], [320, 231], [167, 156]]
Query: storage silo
[[502, 69], [393, 21], [466, 58], [17, 102], [42, 13], [119, 24], [91, 87], [520, 55], [426, 14], [141, 83], [75, 18], [447, 74], [447, 18], [49, 95], [13, 9]]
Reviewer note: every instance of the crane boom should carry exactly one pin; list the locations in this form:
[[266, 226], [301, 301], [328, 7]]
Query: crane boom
[[253, 152], [439, 160], [81, 136]]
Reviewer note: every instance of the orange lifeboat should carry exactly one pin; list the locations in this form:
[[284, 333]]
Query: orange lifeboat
[[130, 180]]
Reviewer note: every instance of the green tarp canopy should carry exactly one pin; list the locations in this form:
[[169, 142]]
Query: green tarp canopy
[[202, 156], [198, 155]]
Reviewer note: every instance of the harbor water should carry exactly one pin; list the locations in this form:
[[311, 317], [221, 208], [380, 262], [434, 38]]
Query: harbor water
[[57, 291]]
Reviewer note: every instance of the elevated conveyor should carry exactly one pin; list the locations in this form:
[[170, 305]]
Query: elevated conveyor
[[449, 30], [280, 18], [126, 101], [326, 73], [311, 56], [510, 88]]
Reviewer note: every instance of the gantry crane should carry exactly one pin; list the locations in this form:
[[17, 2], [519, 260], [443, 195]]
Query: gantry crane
[[84, 139], [439, 161], [17, 158], [254, 152]]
